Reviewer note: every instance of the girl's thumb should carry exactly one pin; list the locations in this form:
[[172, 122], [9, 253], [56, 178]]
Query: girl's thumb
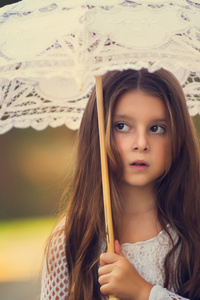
[[118, 248]]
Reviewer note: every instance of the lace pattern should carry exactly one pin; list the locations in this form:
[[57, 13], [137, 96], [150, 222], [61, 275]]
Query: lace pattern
[[42, 65], [55, 272], [144, 256], [159, 293], [147, 257]]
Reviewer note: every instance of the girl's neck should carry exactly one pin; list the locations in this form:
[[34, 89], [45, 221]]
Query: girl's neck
[[139, 217], [138, 200]]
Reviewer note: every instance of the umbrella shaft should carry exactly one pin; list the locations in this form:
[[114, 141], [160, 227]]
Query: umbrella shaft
[[104, 167], [104, 170]]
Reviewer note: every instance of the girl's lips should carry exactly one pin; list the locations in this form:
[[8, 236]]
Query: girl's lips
[[139, 165]]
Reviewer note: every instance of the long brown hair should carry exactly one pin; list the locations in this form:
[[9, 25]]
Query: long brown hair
[[178, 191]]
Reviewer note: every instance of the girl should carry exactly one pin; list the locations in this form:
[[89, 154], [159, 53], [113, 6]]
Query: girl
[[154, 177]]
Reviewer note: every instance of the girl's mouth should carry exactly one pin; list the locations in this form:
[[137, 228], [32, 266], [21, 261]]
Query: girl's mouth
[[140, 165]]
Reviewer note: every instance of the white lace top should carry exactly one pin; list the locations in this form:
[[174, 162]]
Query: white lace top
[[147, 257]]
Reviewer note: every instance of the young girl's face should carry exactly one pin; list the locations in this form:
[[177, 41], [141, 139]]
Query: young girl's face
[[141, 125]]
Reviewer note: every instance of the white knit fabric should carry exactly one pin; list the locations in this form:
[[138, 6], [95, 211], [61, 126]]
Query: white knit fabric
[[159, 293], [147, 257]]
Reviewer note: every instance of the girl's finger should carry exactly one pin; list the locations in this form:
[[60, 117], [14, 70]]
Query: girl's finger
[[108, 258], [104, 279], [105, 289], [106, 269]]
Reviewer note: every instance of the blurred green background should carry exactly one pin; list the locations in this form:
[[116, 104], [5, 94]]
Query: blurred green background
[[35, 168]]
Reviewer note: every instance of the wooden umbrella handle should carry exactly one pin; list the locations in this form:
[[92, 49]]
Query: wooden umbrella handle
[[104, 169]]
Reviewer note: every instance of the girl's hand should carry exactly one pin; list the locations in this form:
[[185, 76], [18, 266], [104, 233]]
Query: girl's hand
[[118, 277]]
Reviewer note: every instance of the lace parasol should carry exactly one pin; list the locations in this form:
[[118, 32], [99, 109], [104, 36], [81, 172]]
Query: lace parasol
[[51, 51]]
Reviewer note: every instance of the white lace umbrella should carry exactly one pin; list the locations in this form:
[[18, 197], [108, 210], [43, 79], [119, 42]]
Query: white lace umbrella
[[49, 48]]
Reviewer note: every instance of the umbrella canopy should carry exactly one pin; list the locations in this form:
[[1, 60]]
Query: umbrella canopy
[[51, 51]]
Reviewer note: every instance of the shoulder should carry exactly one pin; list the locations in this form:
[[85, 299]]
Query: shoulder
[[55, 251], [55, 272], [56, 242]]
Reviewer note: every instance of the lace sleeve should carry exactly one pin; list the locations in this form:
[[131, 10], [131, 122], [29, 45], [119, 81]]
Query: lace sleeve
[[55, 272], [160, 293]]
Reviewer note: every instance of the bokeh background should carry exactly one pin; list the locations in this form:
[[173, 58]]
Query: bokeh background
[[35, 168]]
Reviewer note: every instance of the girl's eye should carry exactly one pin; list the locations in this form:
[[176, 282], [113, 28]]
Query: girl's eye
[[158, 129], [122, 127]]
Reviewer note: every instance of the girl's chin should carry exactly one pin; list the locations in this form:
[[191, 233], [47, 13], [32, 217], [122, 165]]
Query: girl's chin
[[136, 185]]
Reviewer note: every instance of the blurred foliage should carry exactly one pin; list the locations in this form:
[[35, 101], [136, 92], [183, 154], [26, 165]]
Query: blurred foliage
[[34, 170], [22, 247]]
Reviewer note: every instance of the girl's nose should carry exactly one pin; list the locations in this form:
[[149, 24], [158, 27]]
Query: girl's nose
[[140, 142]]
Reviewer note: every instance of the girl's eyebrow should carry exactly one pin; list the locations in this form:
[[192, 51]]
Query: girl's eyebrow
[[115, 116], [122, 117], [162, 120]]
